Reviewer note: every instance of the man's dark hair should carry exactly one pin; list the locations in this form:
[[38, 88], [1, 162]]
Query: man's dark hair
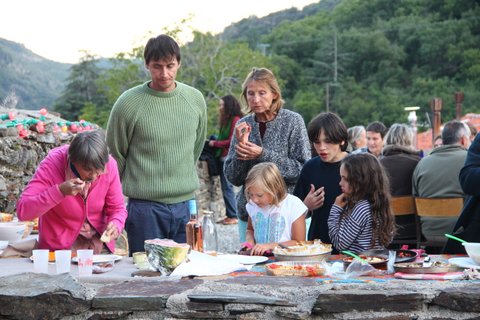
[[161, 47], [377, 127]]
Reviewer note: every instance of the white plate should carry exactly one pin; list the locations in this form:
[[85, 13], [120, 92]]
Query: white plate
[[101, 258], [464, 262], [238, 258]]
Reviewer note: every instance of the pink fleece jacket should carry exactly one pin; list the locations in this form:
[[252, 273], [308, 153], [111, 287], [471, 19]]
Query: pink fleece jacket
[[61, 217]]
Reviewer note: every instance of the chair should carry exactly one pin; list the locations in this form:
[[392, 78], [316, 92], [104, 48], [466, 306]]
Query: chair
[[404, 206], [438, 208]]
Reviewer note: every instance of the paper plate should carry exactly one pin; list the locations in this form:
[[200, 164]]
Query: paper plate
[[101, 258], [238, 258], [464, 262]]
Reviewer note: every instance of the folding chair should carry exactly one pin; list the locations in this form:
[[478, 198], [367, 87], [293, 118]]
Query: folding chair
[[403, 206]]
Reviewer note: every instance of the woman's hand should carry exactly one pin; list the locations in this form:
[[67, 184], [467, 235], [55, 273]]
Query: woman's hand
[[72, 187], [112, 231], [242, 131], [211, 143], [248, 151], [314, 198], [341, 200], [260, 249]]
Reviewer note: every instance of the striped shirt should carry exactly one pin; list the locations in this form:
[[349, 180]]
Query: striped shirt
[[353, 231]]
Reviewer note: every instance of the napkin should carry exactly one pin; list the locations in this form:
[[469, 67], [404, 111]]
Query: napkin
[[201, 264], [20, 249]]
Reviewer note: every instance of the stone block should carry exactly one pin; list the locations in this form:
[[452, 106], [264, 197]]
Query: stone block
[[41, 296], [358, 301], [466, 299]]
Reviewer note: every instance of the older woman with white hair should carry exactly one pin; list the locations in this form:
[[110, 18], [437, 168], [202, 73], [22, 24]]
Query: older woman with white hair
[[399, 158]]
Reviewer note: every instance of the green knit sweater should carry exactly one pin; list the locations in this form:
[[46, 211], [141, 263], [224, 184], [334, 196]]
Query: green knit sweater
[[156, 138]]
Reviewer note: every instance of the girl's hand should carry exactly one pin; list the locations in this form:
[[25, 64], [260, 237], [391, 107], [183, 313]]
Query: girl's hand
[[248, 151], [242, 131], [72, 187], [211, 143], [260, 249], [341, 200], [314, 198]]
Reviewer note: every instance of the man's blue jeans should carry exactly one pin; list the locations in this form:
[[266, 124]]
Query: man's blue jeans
[[150, 220]]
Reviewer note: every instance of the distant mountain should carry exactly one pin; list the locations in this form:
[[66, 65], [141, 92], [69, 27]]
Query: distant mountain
[[251, 29], [25, 76]]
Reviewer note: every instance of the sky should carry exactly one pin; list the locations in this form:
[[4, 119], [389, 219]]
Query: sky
[[60, 30]]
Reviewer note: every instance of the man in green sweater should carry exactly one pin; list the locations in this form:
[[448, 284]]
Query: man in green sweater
[[156, 132]]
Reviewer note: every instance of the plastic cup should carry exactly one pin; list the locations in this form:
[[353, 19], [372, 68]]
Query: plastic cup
[[85, 262], [63, 260], [40, 260]]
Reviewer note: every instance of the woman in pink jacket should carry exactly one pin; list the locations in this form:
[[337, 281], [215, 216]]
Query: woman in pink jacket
[[77, 196]]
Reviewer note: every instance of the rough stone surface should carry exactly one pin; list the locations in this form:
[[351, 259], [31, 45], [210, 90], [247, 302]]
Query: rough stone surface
[[465, 299], [33, 296]]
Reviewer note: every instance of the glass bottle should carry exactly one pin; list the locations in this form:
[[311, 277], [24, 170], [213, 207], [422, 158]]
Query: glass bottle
[[210, 239], [194, 228]]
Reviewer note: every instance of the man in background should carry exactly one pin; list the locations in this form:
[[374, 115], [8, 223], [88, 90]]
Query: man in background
[[375, 133], [156, 132], [436, 176]]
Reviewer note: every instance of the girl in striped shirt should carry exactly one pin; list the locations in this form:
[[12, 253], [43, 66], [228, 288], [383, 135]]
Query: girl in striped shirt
[[361, 218]]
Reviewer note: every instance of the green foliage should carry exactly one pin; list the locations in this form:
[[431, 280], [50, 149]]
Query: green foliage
[[377, 57]]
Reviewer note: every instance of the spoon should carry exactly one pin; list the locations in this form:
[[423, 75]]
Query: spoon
[[455, 238], [353, 255]]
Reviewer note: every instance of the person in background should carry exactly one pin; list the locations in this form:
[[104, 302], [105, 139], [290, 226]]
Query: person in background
[[399, 158], [357, 137], [473, 131], [437, 142], [156, 132], [318, 184], [361, 218], [468, 224], [274, 216], [77, 196], [269, 133], [229, 113], [436, 176], [375, 133]]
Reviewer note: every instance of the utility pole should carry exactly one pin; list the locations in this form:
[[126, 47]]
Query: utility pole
[[335, 72]]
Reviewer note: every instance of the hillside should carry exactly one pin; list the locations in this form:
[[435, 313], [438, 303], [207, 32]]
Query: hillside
[[34, 80]]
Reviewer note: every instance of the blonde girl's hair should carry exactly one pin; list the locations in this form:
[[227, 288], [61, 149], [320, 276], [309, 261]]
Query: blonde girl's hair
[[267, 176], [368, 181], [266, 77]]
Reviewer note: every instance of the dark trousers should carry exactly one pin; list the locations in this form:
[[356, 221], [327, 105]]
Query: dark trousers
[[228, 195], [149, 220]]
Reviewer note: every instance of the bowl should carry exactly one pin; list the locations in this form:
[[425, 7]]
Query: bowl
[[473, 251], [313, 257], [378, 262], [12, 231]]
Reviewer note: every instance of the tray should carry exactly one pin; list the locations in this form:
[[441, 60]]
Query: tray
[[401, 255], [295, 268], [315, 257], [418, 268]]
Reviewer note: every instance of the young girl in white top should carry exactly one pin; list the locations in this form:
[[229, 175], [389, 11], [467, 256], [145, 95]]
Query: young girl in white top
[[274, 216], [361, 217]]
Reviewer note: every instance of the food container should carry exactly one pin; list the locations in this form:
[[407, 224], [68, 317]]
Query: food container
[[295, 268], [400, 255], [315, 257], [378, 262], [417, 267], [13, 231], [305, 251], [473, 251]]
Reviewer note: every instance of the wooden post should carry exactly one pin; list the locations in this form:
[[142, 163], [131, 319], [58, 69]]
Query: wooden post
[[458, 104], [436, 105]]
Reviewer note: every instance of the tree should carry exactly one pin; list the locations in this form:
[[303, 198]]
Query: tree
[[81, 88]]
